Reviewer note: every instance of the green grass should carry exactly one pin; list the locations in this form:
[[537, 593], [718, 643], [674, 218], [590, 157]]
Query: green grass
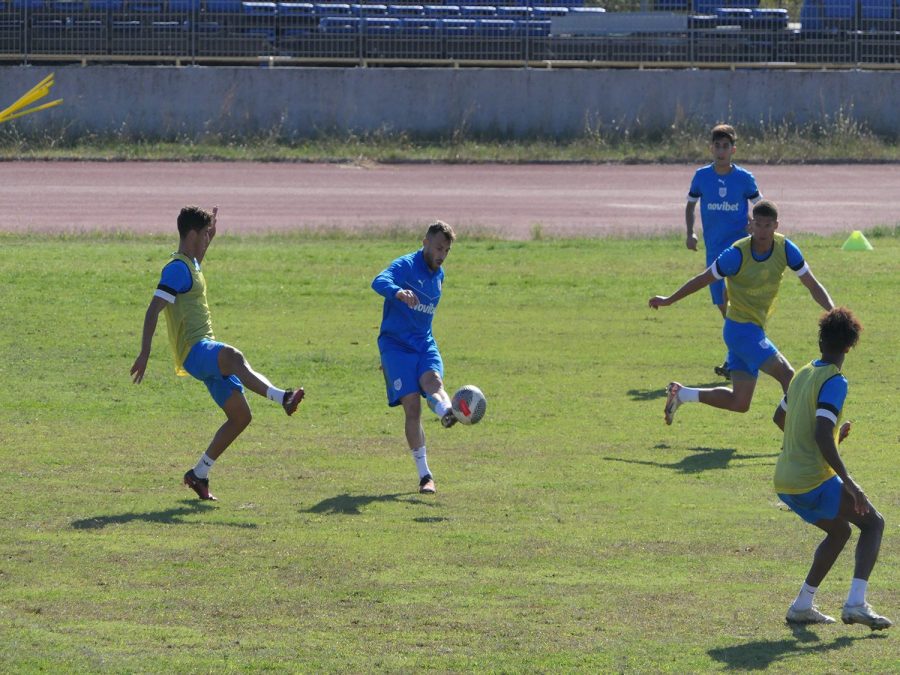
[[572, 530], [838, 138]]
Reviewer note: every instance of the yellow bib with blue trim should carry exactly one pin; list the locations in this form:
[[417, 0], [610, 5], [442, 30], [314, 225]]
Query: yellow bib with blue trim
[[187, 319], [752, 291]]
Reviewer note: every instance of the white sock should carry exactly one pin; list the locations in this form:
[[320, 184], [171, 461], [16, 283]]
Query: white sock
[[783, 404], [438, 406], [421, 463], [689, 395], [275, 394], [805, 598], [203, 466], [857, 594]]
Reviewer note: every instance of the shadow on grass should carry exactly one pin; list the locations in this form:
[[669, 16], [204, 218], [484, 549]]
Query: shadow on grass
[[704, 459], [762, 654], [350, 505], [168, 517], [654, 394]]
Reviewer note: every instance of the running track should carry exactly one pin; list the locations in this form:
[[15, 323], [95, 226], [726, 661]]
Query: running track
[[564, 200]]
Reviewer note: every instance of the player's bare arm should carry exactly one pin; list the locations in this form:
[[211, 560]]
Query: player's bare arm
[[691, 238], [825, 441], [407, 297], [817, 291], [151, 318], [702, 280]]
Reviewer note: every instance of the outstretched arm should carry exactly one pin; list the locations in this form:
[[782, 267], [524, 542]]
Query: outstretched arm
[[817, 291], [151, 318], [702, 280]]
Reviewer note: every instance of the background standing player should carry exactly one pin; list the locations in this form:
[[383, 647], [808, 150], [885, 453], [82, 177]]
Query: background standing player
[[811, 478], [723, 190], [182, 294], [412, 365]]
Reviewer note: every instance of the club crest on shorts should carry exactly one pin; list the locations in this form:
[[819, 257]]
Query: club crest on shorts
[[397, 384]]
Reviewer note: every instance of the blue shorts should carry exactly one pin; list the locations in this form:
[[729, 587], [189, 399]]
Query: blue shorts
[[403, 367], [821, 503], [202, 362], [748, 346]]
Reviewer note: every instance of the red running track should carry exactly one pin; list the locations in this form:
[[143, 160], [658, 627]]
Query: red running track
[[564, 200]]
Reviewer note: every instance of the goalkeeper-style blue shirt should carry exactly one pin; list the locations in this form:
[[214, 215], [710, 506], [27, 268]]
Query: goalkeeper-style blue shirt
[[403, 327], [723, 205]]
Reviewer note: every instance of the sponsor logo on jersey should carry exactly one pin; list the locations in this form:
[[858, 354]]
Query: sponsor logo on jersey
[[722, 206], [427, 309]]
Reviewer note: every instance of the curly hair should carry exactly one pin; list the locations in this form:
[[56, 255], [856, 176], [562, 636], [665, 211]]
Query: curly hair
[[839, 330], [193, 218]]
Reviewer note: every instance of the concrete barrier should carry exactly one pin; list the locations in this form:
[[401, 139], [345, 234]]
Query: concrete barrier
[[168, 102]]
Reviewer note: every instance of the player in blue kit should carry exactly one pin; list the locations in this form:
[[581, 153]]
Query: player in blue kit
[[412, 365], [753, 267], [181, 294], [724, 191]]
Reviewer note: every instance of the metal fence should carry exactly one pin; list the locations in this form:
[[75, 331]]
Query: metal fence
[[857, 33]]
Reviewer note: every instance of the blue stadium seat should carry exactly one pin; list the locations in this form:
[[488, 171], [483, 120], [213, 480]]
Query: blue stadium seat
[[839, 9], [340, 25], [296, 9], [734, 16], [547, 12], [333, 9], [509, 12], [442, 11], [368, 10], [184, 6], [259, 8], [811, 16], [401, 11], [477, 11], [64, 7], [145, 6], [419, 26], [495, 27], [876, 9], [380, 24], [31, 5], [106, 5], [671, 5], [458, 26], [770, 19], [224, 6]]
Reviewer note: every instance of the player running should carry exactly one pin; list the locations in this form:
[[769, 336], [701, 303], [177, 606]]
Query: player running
[[724, 190], [412, 365], [811, 478], [223, 369], [753, 268]]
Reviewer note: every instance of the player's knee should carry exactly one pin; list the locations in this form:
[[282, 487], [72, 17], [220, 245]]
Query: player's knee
[[875, 521]]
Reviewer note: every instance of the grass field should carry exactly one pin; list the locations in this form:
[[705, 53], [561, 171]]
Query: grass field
[[572, 530]]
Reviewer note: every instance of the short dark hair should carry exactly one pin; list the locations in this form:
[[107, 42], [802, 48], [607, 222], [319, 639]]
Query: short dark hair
[[193, 218], [724, 131], [439, 226], [839, 330], [765, 208]]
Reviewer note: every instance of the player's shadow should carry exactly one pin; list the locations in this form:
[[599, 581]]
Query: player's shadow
[[703, 459], [351, 505], [762, 654], [654, 394], [173, 516]]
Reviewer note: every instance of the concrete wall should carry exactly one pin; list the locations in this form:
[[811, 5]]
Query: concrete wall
[[166, 102]]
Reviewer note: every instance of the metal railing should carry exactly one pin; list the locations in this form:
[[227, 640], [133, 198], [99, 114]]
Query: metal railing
[[857, 33]]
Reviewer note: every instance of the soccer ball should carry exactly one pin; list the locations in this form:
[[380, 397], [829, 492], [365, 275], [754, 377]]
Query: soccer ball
[[469, 404]]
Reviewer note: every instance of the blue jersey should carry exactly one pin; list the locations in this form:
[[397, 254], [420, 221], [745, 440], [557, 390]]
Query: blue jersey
[[402, 326], [723, 205]]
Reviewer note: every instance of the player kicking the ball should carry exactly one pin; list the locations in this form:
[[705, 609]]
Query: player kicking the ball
[[753, 268], [811, 478], [410, 360], [223, 369]]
